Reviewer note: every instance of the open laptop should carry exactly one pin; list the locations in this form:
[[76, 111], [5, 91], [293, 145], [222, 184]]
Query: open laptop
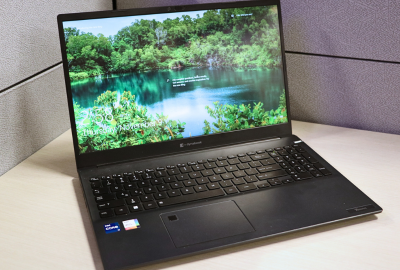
[[181, 126]]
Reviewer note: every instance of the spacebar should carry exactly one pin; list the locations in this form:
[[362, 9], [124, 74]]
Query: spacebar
[[191, 197]]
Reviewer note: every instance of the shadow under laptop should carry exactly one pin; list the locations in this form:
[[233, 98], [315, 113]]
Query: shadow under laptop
[[211, 254]]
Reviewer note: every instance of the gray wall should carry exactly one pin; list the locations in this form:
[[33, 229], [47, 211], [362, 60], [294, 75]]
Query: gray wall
[[34, 112], [343, 92]]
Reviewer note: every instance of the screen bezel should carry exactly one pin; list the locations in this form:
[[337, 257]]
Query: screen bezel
[[174, 146]]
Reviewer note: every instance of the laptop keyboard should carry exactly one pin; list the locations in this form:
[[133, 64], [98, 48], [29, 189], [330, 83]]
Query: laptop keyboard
[[151, 188]]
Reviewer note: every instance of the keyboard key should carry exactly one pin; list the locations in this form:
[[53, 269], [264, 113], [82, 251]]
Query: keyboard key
[[182, 177], [158, 174], [209, 165], [267, 161], [110, 204], [136, 192], [115, 188], [231, 156], [160, 195], [238, 181], [187, 169], [219, 170], [100, 191], [233, 161], [211, 159], [135, 208], [286, 180], [322, 169], [251, 171], [122, 194], [201, 188], [239, 174], [245, 159], [222, 163], [243, 166], [213, 186], [155, 182], [130, 186], [246, 187], [122, 210], [198, 167], [226, 183], [231, 168], [250, 179], [132, 200], [96, 184], [227, 176], [309, 158], [105, 197], [273, 174], [269, 168], [221, 158], [251, 153], [92, 179], [106, 213], [149, 190], [163, 187], [169, 179], [207, 172], [189, 183], [192, 163], [149, 205], [146, 198], [263, 184], [316, 173], [255, 164], [203, 180], [301, 176], [176, 185], [174, 193], [144, 183], [187, 190], [191, 197], [231, 190], [173, 171], [195, 175], [260, 156], [300, 169], [274, 182]]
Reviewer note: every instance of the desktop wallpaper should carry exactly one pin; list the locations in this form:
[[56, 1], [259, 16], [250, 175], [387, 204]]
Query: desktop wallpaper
[[151, 78]]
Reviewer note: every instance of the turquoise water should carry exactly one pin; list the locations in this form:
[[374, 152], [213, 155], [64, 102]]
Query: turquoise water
[[186, 102]]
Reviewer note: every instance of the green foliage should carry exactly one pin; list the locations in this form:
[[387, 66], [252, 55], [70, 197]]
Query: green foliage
[[110, 124], [234, 117], [219, 38]]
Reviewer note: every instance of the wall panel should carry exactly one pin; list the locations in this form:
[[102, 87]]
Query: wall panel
[[29, 37], [348, 93], [32, 115], [368, 29]]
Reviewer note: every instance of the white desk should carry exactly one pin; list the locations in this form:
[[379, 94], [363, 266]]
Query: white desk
[[44, 223]]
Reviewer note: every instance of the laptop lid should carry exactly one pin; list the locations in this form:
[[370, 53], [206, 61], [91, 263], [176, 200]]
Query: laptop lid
[[158, 81]]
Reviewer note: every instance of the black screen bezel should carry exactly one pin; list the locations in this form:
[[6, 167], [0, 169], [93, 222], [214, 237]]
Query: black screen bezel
[[169, 147]]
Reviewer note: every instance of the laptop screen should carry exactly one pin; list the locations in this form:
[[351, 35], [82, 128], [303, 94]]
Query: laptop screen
[[150, 78]]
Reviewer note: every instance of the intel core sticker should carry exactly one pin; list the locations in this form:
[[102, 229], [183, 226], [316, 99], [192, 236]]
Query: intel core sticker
[[112, 227], [131, 224]]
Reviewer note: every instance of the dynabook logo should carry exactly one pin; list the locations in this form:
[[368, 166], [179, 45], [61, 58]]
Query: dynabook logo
[[190, 144]]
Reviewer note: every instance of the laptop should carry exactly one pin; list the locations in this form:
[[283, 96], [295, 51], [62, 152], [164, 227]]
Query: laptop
[[182, 133]]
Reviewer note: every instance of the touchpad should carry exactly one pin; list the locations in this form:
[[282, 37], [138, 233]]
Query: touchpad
[[205, 223]]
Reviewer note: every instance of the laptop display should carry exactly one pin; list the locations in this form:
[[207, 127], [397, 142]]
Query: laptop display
[[151, 78]]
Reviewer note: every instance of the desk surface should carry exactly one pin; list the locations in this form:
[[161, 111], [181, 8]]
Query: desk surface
[[44, 223]]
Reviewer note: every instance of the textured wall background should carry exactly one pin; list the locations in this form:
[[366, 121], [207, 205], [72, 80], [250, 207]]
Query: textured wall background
[[33, 112], [342, 92], [29, 35]]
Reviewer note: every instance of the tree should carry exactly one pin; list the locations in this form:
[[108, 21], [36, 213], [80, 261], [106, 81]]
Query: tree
[[161, 35]]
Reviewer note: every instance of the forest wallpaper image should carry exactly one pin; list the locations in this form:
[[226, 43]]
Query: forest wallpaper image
[[143, 83]]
